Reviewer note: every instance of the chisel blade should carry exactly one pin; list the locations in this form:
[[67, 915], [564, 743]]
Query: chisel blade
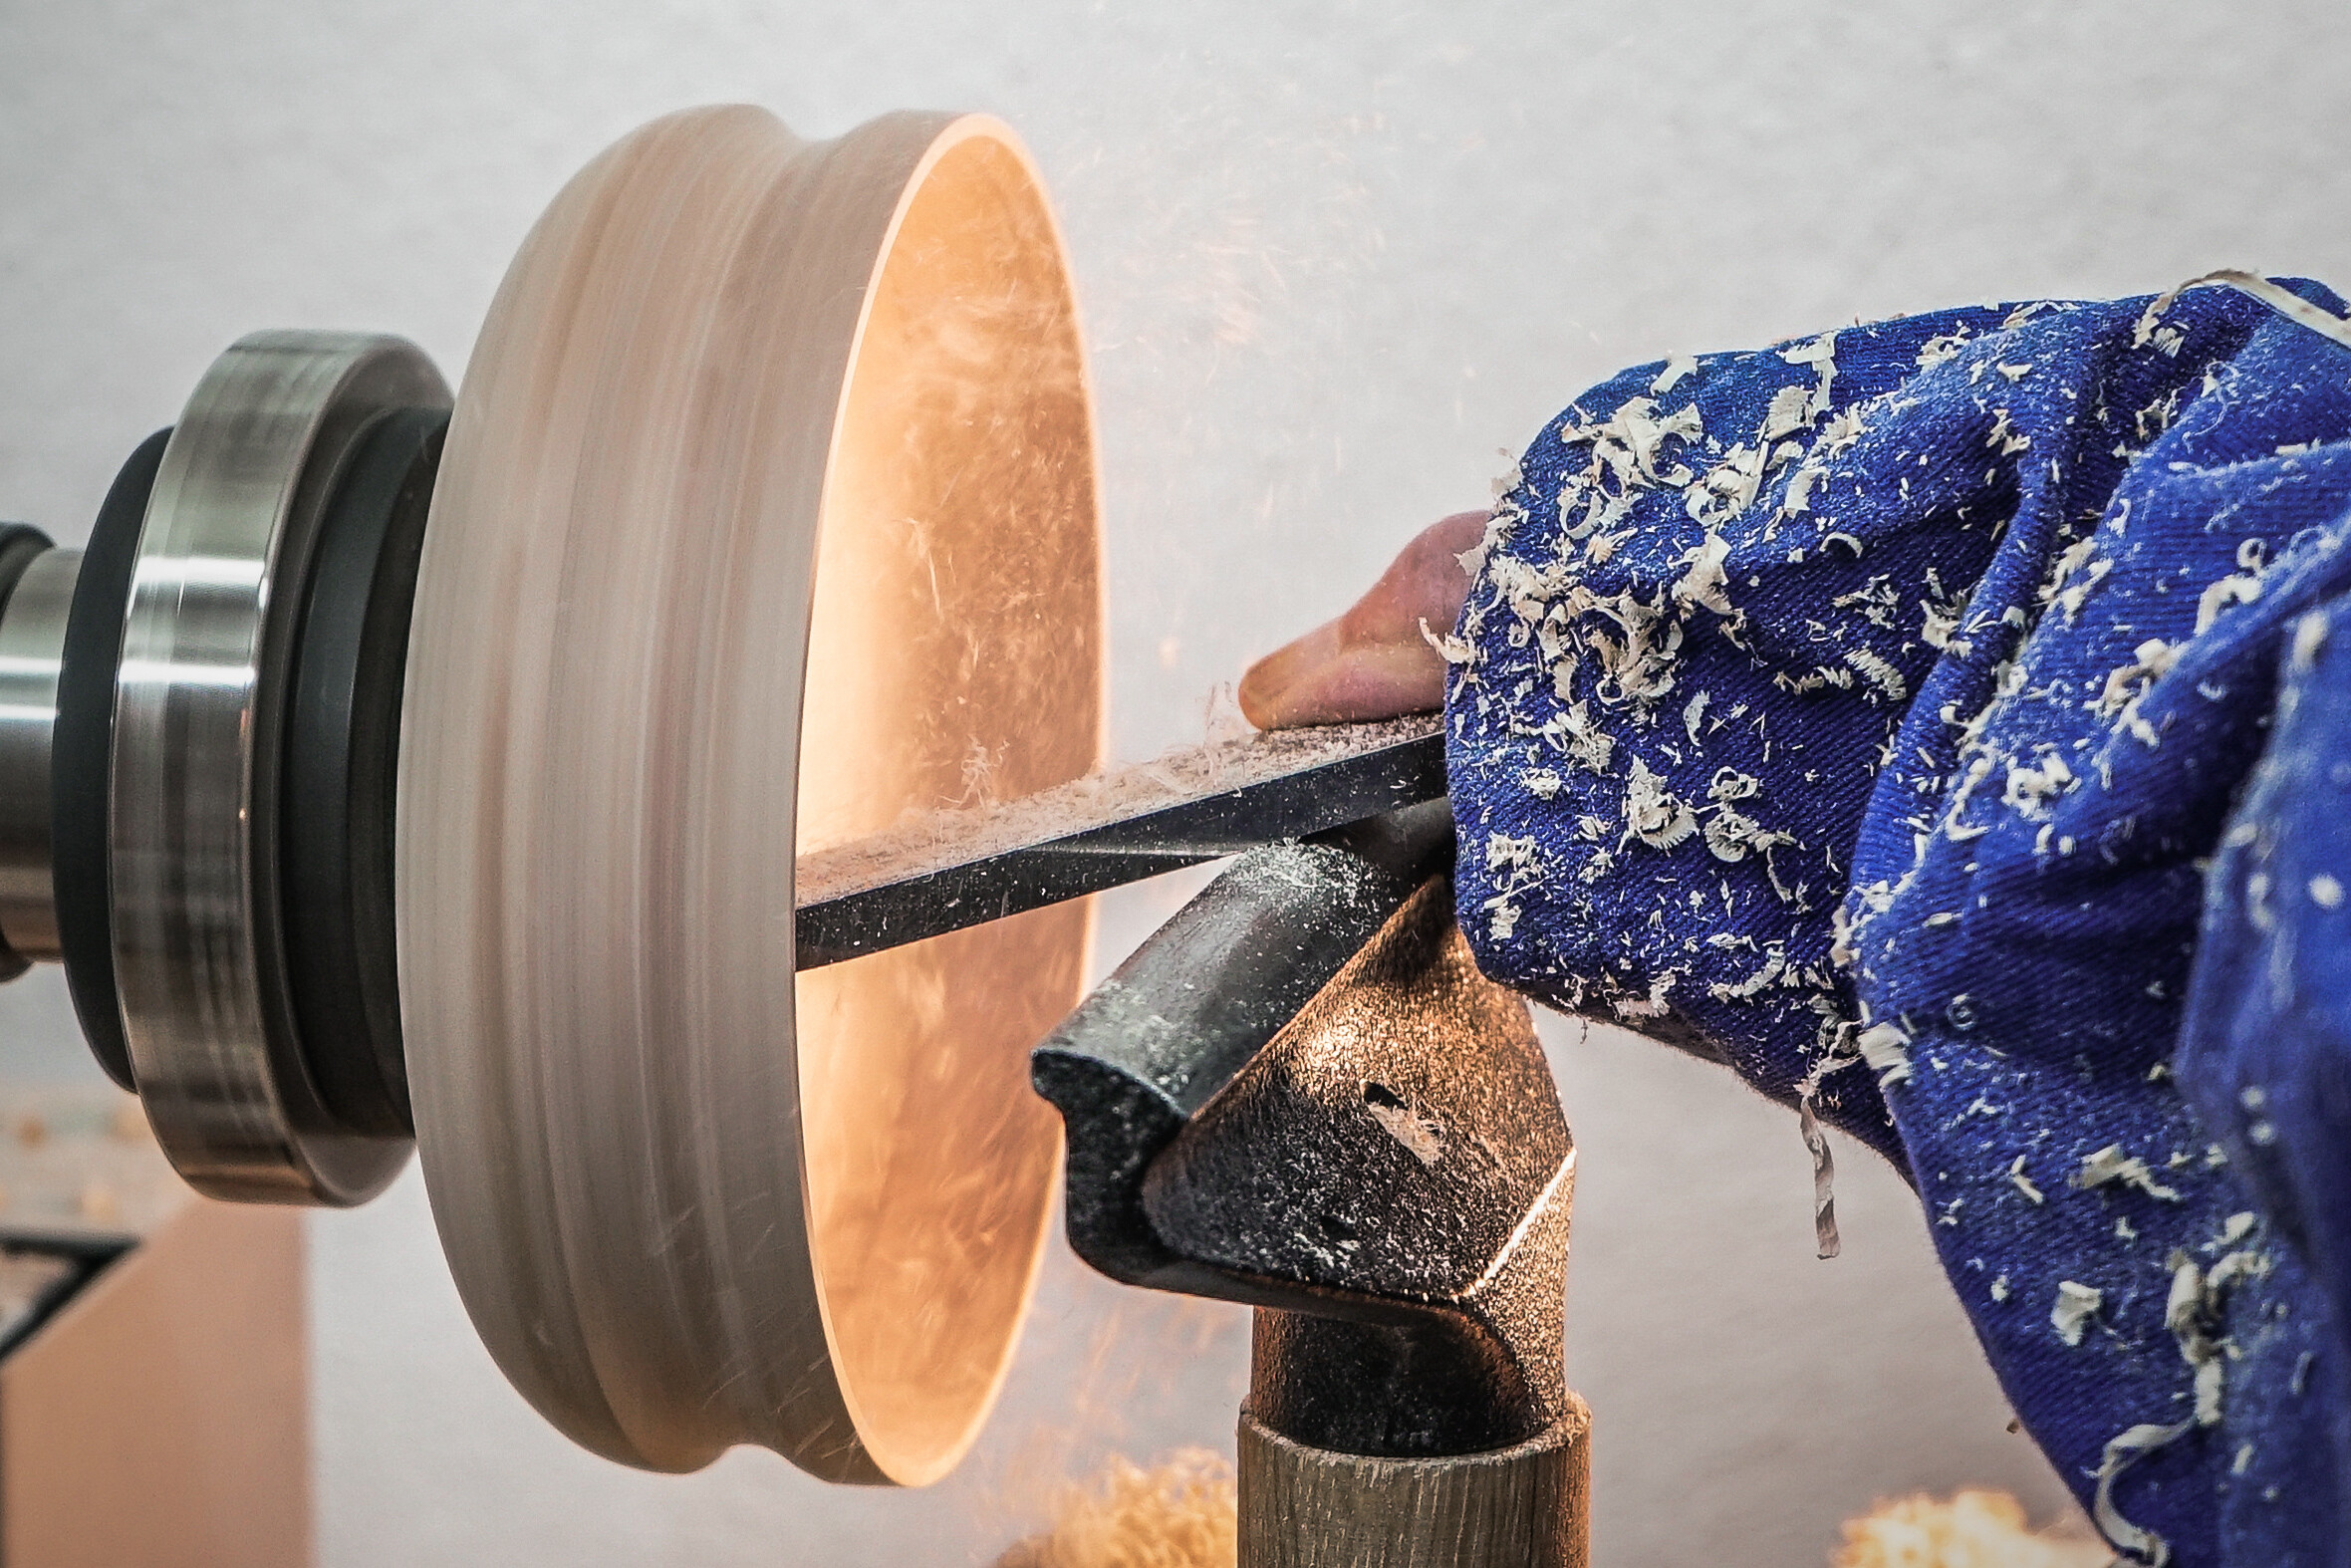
[[958, 868]]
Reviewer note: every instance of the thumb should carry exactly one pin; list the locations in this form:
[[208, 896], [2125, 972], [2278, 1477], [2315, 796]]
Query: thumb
[[1374, 661]]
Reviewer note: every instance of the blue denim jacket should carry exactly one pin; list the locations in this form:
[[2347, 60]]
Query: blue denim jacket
[[1872, 713]]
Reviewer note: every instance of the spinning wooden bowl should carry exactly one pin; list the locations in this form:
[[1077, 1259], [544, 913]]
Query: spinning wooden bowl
[[767, 515]]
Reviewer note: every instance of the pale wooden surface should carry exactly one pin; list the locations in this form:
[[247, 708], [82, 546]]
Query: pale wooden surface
[[162, 1417], [767, 514], [1523, 1508]]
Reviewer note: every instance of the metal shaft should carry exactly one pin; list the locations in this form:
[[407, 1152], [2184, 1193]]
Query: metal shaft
[[32, 643]]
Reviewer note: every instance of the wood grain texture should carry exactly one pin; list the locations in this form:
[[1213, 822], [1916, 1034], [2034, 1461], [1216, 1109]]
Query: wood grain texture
[[1523, 1508]]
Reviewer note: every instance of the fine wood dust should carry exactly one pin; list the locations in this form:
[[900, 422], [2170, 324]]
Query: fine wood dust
[[1178, 1514], [1974, 1529]]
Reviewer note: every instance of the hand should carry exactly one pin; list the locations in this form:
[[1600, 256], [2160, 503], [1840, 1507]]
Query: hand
[[1374, 661]]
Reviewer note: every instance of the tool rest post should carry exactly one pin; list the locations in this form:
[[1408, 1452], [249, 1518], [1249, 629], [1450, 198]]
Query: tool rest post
[[1418, 1413], [1301, 1095], [1525, 1506]]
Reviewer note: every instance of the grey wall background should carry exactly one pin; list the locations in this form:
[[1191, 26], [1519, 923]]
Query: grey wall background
[[1336, 257]]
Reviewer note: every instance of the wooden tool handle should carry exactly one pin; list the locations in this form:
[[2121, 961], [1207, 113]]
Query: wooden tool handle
[[1523, 1508]]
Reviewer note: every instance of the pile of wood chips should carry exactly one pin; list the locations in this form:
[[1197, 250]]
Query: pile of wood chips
[[1974, 1529], [1178, 1514], [1181, 1514]]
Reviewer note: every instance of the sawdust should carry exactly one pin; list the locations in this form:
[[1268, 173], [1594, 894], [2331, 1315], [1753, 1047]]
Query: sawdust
[[1178, 1514], [1976, 1529]]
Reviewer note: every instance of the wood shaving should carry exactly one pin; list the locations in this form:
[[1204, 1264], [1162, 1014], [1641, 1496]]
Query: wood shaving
[[2283, 301], [2076, 1305], [1654, 1005], [2242, 589], [2031, 787], [2309, 636], [1404, 1123], [1452, 649], [2023, 1182], [2127, 684], [1704, 581], [1654, 814], [2122, 1451], [1884, 680], [1517, 864], [1798, 501], [1727, 490], [1821, 355], [1842, 432], [1942, 350], [1677, 366], [1826, 1242], [2111, 1165], [1789, 412], [1886, 1050], [2195, 1309], [1693, 713]]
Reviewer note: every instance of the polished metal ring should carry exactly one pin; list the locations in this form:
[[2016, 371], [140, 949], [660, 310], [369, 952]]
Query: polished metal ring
[[32, 637], [199, 692]]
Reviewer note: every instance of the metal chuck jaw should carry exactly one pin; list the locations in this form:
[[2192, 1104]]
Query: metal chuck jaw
[[200, 717], [1300, 1094]]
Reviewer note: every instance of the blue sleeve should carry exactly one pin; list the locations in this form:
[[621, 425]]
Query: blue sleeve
[[1863, 712]]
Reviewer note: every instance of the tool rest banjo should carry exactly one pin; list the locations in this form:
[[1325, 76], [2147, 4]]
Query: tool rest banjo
[[656, 784]]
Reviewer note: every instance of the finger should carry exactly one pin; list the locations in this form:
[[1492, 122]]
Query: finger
[[1374, 661]]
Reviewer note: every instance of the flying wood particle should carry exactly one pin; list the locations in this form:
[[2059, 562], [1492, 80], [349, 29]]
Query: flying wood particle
[[1826, 1242]]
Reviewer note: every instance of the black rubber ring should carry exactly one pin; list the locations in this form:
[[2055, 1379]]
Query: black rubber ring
[[338, 764], [81, 759], [19, 542]]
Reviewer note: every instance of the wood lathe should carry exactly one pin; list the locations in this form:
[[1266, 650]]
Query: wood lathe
[[658, 785]]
